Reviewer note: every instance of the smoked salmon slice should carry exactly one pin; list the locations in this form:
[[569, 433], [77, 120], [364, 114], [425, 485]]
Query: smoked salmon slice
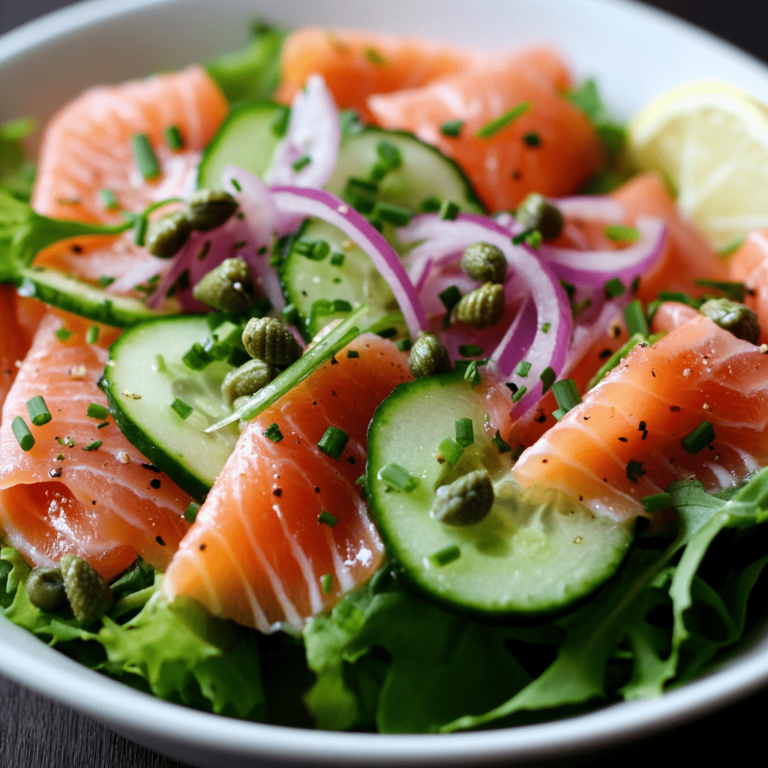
[[550, 147], [749, 265], [259, 552], [68, 494], [625, 440]]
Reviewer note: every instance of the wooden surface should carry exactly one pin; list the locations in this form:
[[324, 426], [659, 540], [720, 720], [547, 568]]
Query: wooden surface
[[38, 733]]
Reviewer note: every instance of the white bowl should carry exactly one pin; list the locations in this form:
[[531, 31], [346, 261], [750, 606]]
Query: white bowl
[[634, 51]]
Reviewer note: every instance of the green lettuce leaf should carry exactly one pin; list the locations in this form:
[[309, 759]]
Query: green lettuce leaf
[[17, 173]]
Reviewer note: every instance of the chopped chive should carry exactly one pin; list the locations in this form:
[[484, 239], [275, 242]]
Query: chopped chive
[[635, 470], [280, 122], [140, 224], [731, 248], [533, 239], [398, 478], [523, 368], [62, 334], [389, 155], [333, 441], [273, 433], [635, 318], [352, 354], [404, 345], [106, 280], [145, 157], [190, 513], [501, 445], [326, 582], [38, 411], [430, 205], [450, 450], [452, 128], [470, 350], [396, 215], [465, 434], [92, 334], [301, 163], [361, 194], [614, 288], [236, 184], [387, 333], [197, 358], [656, 502], [490, 129], [326, 518], [108, 199], [558, 413], [102, 425], [700, 438], [545, 327], [448, 210], [446, 556], [450, 297], [183, 409], [472, 374], [94, 446], [173, 138], [566, 394], [22, 434], [376, 57], [519, 394], [160, 364], [618, 233], [532, 139], [337, 259], [547, 379], [733, 290], [97, 411]]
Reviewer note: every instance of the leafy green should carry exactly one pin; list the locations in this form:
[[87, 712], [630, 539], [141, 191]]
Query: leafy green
[[23, 233], [253, 72], [17, 173]]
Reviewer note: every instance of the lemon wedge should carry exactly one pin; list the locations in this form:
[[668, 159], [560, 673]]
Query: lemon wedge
[[710, 142]]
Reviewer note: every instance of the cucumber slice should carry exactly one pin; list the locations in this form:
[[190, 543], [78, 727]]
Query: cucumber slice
[[535, 553], [146, 361], [68, 293], [247, 138]]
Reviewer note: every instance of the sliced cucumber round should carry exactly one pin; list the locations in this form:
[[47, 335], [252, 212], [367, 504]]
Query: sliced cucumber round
[[536, 552], [247, 138], [145, 376], [80, 298]]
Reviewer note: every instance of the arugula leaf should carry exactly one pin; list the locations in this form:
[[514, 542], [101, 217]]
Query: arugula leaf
[[23, 233], [254, 71], [17, 173]]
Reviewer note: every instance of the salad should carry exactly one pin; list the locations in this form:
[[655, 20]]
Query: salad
[[412, 502]]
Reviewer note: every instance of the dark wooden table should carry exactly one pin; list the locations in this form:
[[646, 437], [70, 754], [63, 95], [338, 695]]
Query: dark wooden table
[[38, 733]]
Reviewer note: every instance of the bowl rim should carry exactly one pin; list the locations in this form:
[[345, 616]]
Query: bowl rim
[[122, 707]]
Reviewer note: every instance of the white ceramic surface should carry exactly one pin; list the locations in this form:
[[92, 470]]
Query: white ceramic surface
[[634, 51]]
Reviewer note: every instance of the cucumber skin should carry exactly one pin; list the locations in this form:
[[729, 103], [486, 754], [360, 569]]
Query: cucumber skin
[[137, 437], [410, 575]]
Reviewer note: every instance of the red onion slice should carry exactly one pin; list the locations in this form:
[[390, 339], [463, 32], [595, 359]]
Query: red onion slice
[[594, 268], [298, 201], [313, 134]]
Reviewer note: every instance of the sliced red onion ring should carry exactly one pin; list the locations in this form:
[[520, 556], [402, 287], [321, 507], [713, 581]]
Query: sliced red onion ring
[[540, 338], [594, 268], [297, 201], [313, 135]]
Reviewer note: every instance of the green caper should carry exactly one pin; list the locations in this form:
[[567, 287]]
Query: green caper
[[731, 316], [465, 501], [166, 235], [536, 212], [45, 588], [246, 380], [482, 307], [210, 208], [228, 287], [88, 594], [267, 339], [428, 356], [485, 263]]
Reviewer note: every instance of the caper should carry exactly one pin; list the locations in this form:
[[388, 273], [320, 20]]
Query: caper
[[45, 588], [465, 501], [428, 356], [482, 307], [269, 340], [210, 208], [166, 235], [731, 316], [246, 380], [536, 212], [228, 287], [485, 263], [88, 594]]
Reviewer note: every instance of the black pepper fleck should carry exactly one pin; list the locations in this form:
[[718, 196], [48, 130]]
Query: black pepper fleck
[[155, 483], [277, 492], [159, 540]]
